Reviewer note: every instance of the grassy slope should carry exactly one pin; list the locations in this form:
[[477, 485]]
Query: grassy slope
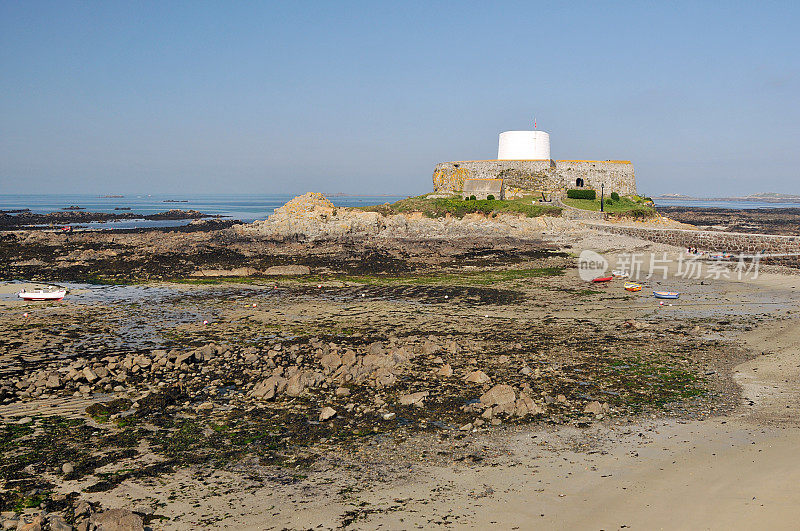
[[454, 206], [625, 205]]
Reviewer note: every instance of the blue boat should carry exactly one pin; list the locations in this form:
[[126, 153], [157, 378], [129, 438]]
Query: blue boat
[[666, 294]]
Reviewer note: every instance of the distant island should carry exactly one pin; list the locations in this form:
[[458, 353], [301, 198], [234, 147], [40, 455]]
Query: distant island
[[768, 197]]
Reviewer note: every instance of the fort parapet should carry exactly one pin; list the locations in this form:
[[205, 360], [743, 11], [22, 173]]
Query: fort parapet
[[539, 175]]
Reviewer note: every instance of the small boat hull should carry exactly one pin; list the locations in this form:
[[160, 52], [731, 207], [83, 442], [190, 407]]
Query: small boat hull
[[666, 295], [603, 279], [632, 286], [40, 295]]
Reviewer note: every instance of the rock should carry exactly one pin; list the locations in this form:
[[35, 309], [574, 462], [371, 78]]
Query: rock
[[349, 358], [82, 508], [526, 406], [53, 381], [330, 362], [499, 395], [89, 374], [415, 399], [429, 348], [389, 416], [269, 387], [526, 370], [342, 391], [205, 406], [286, 270], [58, 524], [186, 357], [479, 377], [561, 398], [400, 355], [445, 371], [376, 349], [35, 524], [595, 408], [296, 384], [236, 272], [25, 420], [384, 378], [326, 413], [206, 352], [117, 520], [67, 468], [466, 427]]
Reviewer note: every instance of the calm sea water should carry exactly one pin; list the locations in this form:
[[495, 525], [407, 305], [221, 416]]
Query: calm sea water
[[737, 205], [244, 207]]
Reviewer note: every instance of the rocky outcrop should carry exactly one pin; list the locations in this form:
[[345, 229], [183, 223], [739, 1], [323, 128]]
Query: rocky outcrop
[[312, 217]]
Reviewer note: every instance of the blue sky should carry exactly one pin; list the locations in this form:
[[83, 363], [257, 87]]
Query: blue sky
[[366, 97]]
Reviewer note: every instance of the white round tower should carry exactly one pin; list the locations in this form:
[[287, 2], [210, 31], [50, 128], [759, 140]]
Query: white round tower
[[524, 145]]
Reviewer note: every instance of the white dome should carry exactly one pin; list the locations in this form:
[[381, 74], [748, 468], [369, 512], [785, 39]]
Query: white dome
[[524, 145]]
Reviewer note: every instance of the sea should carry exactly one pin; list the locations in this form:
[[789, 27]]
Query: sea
[[243, 207], [734, 205]]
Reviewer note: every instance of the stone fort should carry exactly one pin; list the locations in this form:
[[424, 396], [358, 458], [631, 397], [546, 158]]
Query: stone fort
[[524, 163]]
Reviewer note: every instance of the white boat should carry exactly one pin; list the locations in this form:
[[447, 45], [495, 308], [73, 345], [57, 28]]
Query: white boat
[[51, 293]]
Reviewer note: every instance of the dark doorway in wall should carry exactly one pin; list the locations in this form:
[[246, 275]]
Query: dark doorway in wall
[[579, 182]]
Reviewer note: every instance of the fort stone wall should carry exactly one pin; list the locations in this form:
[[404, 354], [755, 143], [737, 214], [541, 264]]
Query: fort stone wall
[[538, 175]]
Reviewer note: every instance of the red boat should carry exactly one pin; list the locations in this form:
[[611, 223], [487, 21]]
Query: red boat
[[603, 279]]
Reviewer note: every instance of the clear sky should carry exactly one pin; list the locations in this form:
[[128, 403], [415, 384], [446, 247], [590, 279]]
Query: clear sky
[[366, 97]]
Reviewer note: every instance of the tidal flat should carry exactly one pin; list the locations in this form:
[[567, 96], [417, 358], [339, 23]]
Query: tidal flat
[[243, 401]]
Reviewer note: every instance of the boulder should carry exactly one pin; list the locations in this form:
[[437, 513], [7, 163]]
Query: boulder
[[384, 378], [526, 406], [36, 524], [286, 270], [595, 408], [499, 395], [186, 357], [53, 381], [117, 520], [236, 272], [57, 523], [445, 371], [301, 380], [376, 349], [400, 355], [349, 358], [330, 362], [326, 413], [206, 352], [414, 399], [268, 388], [429, 348], [478, 377]]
